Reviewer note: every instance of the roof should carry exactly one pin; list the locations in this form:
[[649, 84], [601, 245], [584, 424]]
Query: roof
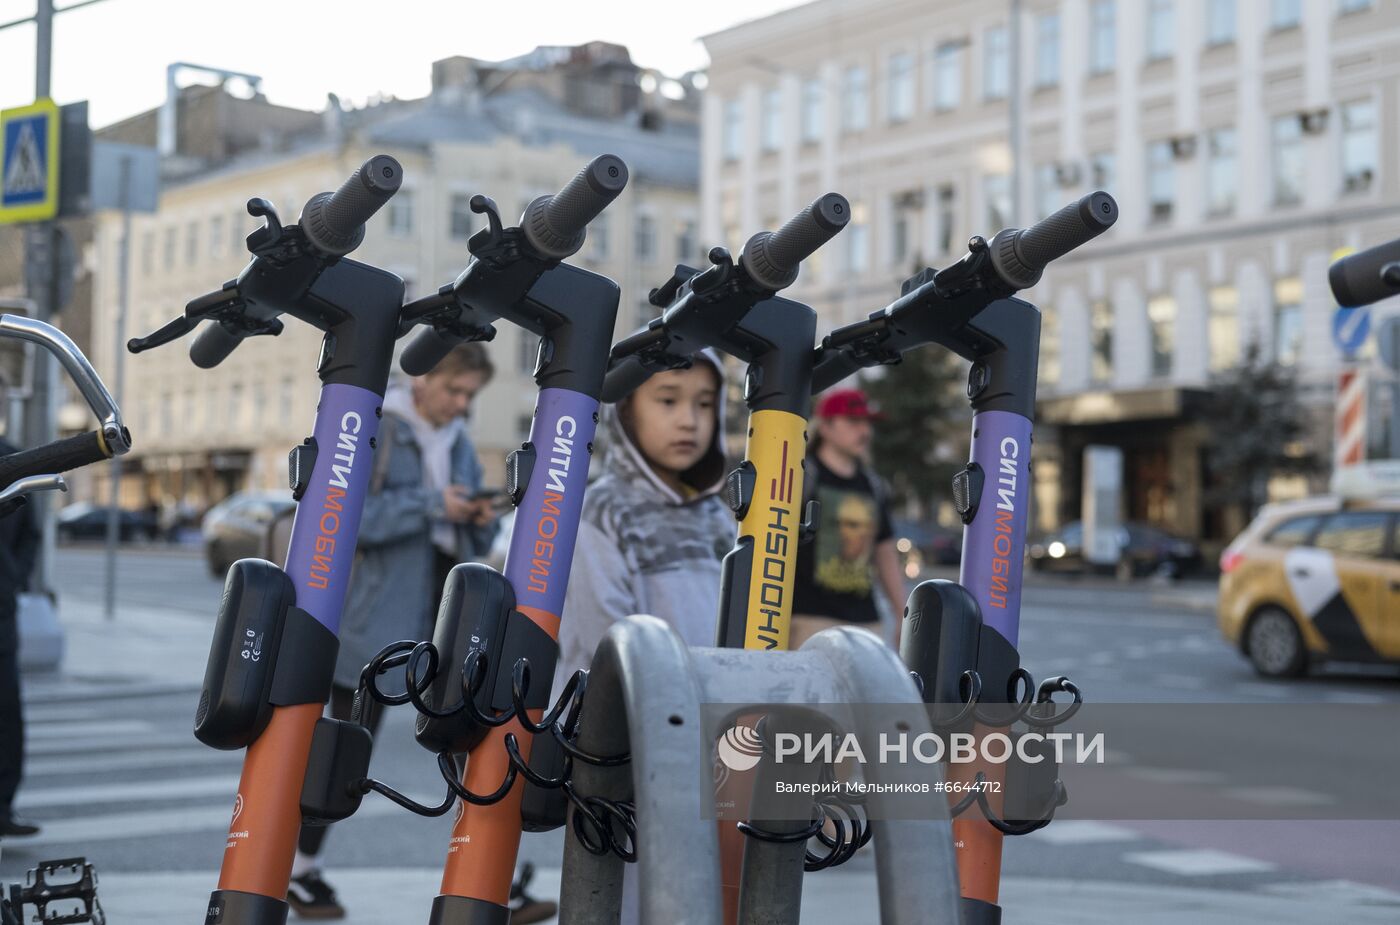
[[668, 155]]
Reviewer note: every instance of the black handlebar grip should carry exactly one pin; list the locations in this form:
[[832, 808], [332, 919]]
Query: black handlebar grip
[[426, 350], [213, 345], [623, 378], [53, 458], [772, 257], [1359, 279], [555, 225], [1020, 256], [334, 223]]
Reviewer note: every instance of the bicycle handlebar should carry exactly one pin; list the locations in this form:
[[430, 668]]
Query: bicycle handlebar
[[13, 495], [772, 257], [556, 225], [1019, 256], [56, 457], [334, 223], [1366, 277], [78, 367]]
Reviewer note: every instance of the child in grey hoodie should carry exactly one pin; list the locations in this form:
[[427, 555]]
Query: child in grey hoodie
[[653, 529]]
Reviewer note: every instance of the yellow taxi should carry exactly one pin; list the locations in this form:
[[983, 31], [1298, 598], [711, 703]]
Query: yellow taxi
[[1314, 580]]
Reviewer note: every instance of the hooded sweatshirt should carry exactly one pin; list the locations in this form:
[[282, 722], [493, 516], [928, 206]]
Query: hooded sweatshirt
[[644, 548]]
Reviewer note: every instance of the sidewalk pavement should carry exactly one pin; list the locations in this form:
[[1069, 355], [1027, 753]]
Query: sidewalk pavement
[[151, 650], [388, 897]]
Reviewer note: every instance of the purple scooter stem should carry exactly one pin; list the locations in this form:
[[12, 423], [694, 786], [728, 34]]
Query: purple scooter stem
[[547, 520], [994, 543], [327, 521]]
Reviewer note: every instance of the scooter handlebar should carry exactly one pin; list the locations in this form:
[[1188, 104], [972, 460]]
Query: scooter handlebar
[[1019, 256], [771, 258], [1360, 279], [556, 225], [334, 223], [213, 345]]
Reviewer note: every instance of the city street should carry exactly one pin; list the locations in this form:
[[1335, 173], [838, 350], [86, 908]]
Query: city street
[[115, 774]]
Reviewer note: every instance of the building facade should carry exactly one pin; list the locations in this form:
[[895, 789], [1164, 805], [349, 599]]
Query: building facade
[[1245, 142], [202, 434]]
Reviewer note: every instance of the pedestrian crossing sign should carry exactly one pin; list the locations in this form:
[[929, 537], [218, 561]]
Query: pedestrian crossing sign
[[29, 163]]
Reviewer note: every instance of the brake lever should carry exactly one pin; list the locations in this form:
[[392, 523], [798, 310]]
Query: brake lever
[[174, 329]]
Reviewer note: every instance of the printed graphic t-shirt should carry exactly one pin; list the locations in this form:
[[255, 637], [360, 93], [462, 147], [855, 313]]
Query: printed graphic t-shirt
[[836, 571]]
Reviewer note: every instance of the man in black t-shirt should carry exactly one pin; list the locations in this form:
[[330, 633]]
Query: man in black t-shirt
[[853, 550]]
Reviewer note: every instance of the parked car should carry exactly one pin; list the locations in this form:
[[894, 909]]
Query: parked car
[[1311, 581], [919, 543], [1145, 550], [84, 520], [237, 527]]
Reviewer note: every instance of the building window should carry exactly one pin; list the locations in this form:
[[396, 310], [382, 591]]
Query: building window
[[1223, 327], [1160, 181], [192, 244], [900, 100], [812, 110], [1102, 37], [732, 131], [1047, 49], [1161, 29], [527, 348], [1358, 145], [235, 407], [148, 253], [771, 125], [996, 188], [899, 232], [1102, 171], [461, 220], [645, 238], [401, 214], [947, 196], [1353, 6], [947, 76], [1101, 340], [240, 237], [1047, 190], [1288, 160], [857, 241], [855, 99], [1220, 22], [1049, 345], [286, 402], [1220, 171], [686, 244], [1285, 14], [996, 64], [1288, 321], [598, 236], [216, 236], [1161, 322]]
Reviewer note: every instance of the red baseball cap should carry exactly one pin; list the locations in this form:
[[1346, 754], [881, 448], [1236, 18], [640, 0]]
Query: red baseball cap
[[846, 403]]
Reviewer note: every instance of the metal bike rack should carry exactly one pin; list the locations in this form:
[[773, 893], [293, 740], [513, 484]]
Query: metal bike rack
[[644, 697]]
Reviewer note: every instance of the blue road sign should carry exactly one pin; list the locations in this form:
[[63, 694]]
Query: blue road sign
[[29, 162], [1350, 328]]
